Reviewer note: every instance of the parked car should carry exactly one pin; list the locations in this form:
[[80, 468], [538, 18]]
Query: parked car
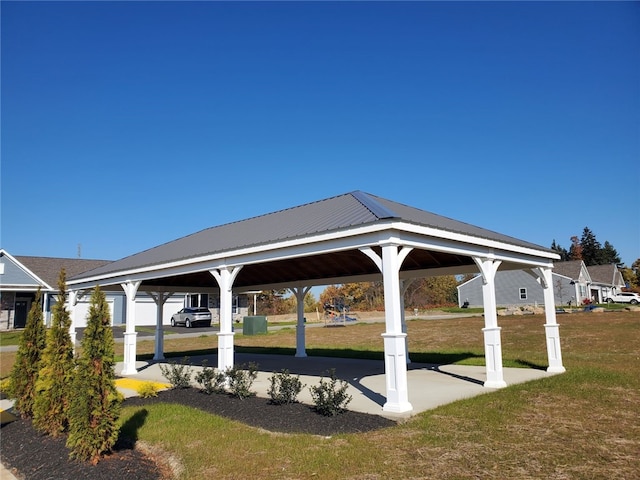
[[624, 297], [192, 317]]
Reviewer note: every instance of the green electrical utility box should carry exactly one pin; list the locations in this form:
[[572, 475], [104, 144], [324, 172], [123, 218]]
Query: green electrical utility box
[[254, 325]]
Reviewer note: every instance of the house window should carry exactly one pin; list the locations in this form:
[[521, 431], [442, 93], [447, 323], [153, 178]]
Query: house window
[[199, 300], [583, 291], [236, 304], [523, 294]]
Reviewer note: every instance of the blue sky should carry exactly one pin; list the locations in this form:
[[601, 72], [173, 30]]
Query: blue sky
[[129, 124]]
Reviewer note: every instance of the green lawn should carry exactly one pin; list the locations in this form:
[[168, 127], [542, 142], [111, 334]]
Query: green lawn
[[579, 425], [582, 424]]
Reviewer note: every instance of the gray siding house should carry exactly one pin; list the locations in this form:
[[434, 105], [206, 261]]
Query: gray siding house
[[21, 276], [573, 284]]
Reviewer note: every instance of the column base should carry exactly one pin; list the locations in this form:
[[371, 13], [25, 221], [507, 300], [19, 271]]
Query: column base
[[495, 384], [129, 354], [402, 407], [556, 369]]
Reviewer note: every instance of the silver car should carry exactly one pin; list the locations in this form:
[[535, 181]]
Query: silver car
[[192, 317]]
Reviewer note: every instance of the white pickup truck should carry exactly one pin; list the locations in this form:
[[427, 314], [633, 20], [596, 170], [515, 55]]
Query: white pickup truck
[[624, 297]]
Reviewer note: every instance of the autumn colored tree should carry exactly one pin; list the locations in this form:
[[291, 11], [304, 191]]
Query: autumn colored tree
[[95, 406], [24, 373], [53, 386], [632, 275], [274, 302], [575, 251], [431, 291]]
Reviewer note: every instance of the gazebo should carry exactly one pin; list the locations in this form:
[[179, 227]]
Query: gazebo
[[347, 238]]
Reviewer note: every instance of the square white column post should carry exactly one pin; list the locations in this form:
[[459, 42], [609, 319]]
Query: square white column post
[[160, 299], [300, 293], [130, 290], [491, 330], [551, 328], [395, 361], [225, 277]]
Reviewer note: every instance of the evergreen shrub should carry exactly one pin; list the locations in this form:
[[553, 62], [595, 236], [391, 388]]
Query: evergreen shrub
[[284, 388], [330, 397]]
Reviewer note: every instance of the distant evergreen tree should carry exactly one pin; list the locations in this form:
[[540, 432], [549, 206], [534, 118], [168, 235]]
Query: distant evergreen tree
[[53, 387], [590, 248], [564, 254], [25, 369], [608, 255], [95, 406]]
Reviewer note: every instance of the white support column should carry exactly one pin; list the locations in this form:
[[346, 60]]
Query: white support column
[[225, 277], [492, 344], [395, 362], [404, 285], [300, 292], [551, 328], [159, 299], [130, 289], [72, 301]]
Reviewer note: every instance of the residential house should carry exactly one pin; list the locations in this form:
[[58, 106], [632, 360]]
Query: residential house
[[573, 284], [21, 276]]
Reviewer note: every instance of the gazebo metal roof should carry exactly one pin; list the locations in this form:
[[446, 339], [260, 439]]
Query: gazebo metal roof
[[347, 215]]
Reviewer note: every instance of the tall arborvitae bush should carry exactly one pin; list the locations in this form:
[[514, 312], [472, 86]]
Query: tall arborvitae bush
[[25, 370], [53, 387], [95, 406]]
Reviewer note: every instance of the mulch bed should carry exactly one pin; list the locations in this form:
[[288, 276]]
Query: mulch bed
[[34, 456]]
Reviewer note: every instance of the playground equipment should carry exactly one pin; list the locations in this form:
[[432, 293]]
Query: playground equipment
[[335, 313]]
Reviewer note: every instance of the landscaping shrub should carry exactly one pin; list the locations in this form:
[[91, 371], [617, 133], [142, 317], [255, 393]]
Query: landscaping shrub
[[95, 403], [284, 388], [178, 375], [147, 390], [24, 374], [6, 387], [53, 386], [210, 380], [241, 379], [330, 398]]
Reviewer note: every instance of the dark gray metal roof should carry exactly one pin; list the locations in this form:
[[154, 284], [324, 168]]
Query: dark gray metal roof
[[331, 214]]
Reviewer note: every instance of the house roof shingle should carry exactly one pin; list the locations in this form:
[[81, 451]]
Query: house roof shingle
[[48, 268]]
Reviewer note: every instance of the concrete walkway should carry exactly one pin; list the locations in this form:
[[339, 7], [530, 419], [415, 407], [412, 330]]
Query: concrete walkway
[[429, 385]]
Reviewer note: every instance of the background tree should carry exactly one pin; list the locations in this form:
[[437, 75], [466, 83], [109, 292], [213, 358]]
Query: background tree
[[24, 373], [608, 255], [564, 254], [631, 275], [53, 387], [590, 248], [95, 405], [274, 302], [575, 251]]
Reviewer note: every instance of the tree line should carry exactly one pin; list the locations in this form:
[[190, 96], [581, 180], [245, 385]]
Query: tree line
[[438, 291]]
